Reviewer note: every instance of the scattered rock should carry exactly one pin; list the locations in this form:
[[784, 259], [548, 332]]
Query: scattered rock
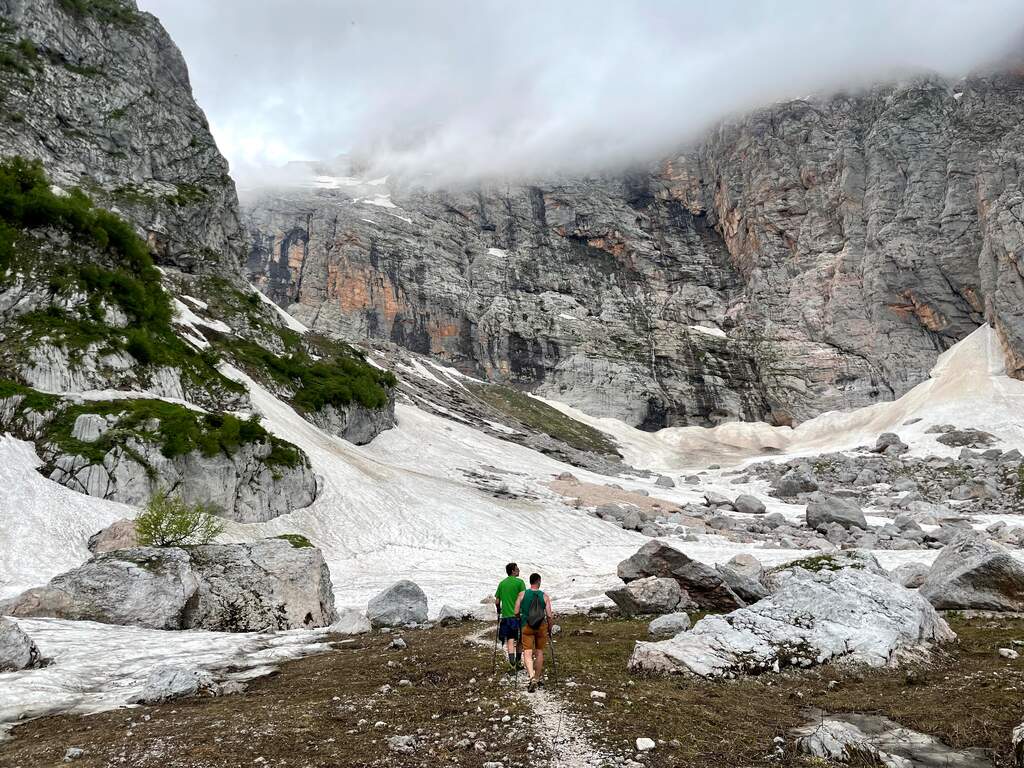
[[1009, 653], [73, 753], [890, 444], [402, 744], [750, 505], [401, 603], [669, 625], [967, 438], [665, 481], [170, 681], [798, 480], [644, 745], [833, 509]]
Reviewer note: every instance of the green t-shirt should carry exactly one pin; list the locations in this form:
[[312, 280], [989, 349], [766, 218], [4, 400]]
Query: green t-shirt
[[508, 590]]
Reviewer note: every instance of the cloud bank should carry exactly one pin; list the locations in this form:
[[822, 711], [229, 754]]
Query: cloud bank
[[462, 89]]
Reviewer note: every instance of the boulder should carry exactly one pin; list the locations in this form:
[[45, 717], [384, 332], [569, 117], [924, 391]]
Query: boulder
[[349, 622], [911, 575], [651, 595], [750, 505], [669, 625], [972, 572], [855, 559], [875, 740], [401, 603], [890, 444], [848, 615], [743, 575], [252, 587], [798, 480], [120, 534], [170, 681], [833, 509], [17, 651], [664, 481], [966, 438], [705, 586], [715, 499]]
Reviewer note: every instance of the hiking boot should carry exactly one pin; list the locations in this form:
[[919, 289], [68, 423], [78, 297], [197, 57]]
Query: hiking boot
[[540, 683], [532, 686]]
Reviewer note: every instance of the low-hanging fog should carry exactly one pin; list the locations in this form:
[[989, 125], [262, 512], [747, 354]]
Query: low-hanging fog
[[460, 89]]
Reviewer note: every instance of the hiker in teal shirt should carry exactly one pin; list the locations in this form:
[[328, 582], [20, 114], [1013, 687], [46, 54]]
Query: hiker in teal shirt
[[508, 622]]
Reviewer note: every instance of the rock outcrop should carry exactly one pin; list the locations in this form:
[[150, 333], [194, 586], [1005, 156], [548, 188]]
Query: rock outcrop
[[263, 586], [811, 255], [853, 738], [17, 650], [975, 573], [848, 615]]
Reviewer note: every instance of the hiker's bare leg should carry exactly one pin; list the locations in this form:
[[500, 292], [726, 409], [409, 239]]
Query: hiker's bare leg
[[538, 663], [528, 658]]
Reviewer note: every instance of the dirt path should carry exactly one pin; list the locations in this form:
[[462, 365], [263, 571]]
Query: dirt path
[[564, 733]]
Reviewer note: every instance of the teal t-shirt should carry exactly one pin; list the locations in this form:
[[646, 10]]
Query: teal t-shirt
[[508, 590]]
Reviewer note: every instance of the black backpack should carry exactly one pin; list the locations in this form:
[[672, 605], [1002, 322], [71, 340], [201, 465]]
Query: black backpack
[[536, 613]]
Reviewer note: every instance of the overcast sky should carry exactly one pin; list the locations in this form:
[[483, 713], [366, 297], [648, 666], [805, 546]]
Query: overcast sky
[[463, 88]]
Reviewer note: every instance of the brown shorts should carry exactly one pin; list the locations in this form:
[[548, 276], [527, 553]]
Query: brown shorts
[[535, 639]]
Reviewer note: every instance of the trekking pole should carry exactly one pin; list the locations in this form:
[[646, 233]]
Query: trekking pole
[[554, 659], [494, 655]]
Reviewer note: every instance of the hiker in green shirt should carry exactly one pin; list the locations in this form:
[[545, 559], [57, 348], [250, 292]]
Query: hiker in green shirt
[[508, 622]]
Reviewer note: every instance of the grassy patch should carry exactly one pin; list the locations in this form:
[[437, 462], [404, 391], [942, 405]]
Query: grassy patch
[[543, 418], [105, 11], [319, 712], [177, 430], [297, 540], [817, 563], [340, 378], [733, 723]]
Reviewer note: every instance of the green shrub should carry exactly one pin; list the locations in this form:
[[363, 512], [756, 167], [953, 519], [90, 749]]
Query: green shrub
[[170, 522], [297, 540]]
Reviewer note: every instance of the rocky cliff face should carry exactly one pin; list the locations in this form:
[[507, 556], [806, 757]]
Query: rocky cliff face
[[120, 269], [99, 92], [809, 256]]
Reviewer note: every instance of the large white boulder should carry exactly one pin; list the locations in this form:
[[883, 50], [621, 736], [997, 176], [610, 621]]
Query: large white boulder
[[651, 595], [401, 603], [253, 587], [973, 572], [850, 615], [17, 651], [669, 625], [350, 622], [171, 681]]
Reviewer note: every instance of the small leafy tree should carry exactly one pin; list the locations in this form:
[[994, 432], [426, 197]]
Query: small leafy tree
[[170, 522]]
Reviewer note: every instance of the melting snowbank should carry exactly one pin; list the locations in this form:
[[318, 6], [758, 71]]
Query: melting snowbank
[[968, 387], [99, 666]]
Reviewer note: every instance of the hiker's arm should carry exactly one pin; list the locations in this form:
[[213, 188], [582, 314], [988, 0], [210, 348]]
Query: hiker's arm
[[497, 604], [519, 602], [547, 604]]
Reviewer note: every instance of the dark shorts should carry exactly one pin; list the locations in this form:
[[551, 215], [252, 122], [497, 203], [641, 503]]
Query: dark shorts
[[508, 629]]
